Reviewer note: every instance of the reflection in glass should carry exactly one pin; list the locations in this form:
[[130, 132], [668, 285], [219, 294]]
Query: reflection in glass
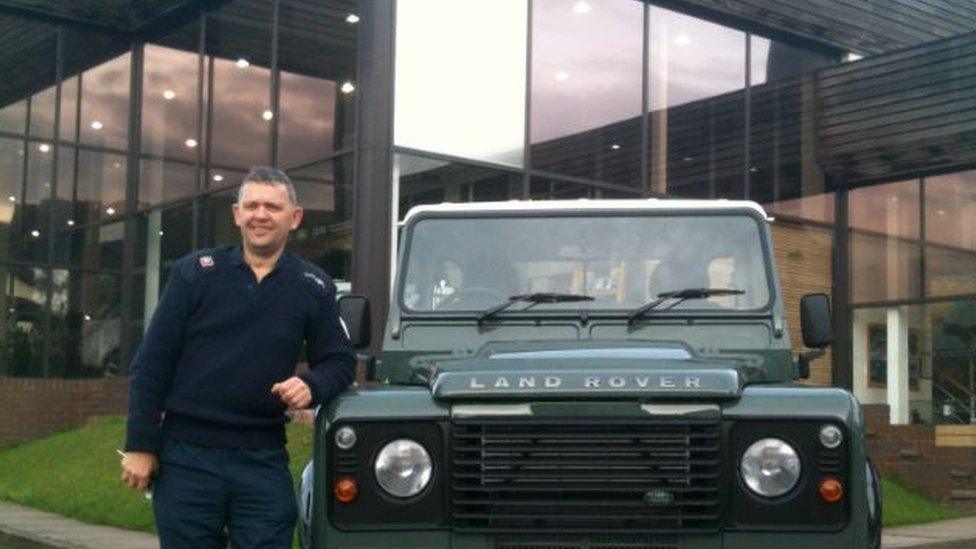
[[32, 244], [885, 250], [11, 197], [86, 325], [161, 181], [953, 361], [306, 129], [69, 109], [170, 110], [426, 181], [467, 99], [774, 60], [13, 116], [950, 234], [100, 193], [695, 82], [42, 113], [221, 230], [105, 103], [22, 320], [163, 237], [325, 235], [98, 246], [586, 89]]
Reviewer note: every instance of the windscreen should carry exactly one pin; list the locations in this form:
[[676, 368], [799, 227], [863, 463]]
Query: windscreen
[[621, 261]]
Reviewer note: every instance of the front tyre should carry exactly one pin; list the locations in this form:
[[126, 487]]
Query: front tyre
[[305, 507], [874, 505]]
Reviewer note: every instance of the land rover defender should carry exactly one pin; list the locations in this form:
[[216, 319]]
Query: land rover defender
[[590, 374]]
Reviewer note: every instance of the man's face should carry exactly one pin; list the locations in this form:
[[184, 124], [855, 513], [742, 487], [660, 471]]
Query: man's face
[[266, 216]]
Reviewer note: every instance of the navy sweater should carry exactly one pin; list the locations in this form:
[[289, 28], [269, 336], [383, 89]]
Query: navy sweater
[[219, 340]]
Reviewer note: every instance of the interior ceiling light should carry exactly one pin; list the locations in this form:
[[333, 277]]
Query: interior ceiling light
[[243, 63], [12, 198], [44, 147], [96, 125], [218, 178], [347, 87], [682, 40], [352, 19], [190, 143], [267, 115], [562, 76], [71, 222], [35, 233], [110, 210], [169, 95], [615, 147], [582, 7]]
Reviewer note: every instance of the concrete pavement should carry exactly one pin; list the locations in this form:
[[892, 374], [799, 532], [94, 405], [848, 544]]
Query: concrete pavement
[[62, 532]]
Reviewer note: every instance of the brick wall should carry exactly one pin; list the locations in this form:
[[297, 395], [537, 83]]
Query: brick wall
[[945, 474], [34, 408]]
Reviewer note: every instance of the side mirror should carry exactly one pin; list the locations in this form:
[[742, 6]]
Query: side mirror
[[354, 311], [815, 321]]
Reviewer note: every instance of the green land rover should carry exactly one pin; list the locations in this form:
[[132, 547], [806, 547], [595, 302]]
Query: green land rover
[[590, 374]]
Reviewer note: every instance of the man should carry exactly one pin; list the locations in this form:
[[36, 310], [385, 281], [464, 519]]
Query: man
[[215, 374]]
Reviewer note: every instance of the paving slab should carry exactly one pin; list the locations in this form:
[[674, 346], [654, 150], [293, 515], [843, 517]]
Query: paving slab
[[57, 531], [945, 534]]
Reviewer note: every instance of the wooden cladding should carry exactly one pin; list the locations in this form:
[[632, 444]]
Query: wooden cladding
[[899, 114], [863, 26]]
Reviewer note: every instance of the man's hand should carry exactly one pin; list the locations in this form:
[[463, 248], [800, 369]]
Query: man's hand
[[293, 392], [138, 468]]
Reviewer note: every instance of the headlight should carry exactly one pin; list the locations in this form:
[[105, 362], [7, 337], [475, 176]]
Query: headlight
[[770, 467], [403, 468]]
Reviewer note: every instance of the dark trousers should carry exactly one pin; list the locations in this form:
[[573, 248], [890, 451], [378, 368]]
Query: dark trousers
[[205, 497]]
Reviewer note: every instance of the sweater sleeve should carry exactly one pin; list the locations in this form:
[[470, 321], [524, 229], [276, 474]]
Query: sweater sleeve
[[332, 366], [152, 368]]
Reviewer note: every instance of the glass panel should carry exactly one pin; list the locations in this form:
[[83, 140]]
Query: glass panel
[[325, 235], [774, 60], [466, 100], [101, 186], [22, 318], [163, 237], [474, 263], [239, 39], [98, 246], [586, 89], [42, 112], [13, 117], [161, 181], [885, 250], [221, 230], [170, 108], [891, 345], [69, 109], [426, 181], [950, 234], [63, 214], [105, 103], [308, 116], [11, 196], [32, 244], [697, 74], [86, 325], [324, 60], [953, 368]]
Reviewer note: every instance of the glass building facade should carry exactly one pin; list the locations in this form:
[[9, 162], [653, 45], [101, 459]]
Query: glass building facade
[[120, 155]]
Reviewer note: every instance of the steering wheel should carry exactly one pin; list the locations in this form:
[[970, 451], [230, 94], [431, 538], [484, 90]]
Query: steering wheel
[[490, 296]]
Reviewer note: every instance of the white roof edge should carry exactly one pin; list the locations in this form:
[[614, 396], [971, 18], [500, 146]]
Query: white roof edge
[[584, 204]]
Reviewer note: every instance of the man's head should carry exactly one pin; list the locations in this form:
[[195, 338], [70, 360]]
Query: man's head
[[266, 210]]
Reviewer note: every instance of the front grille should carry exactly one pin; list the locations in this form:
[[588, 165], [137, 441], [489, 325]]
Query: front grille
[[602, 542], [572, 476]]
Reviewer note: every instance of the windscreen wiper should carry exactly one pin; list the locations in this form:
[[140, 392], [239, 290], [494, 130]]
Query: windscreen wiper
[[678, 296], [537, 297]]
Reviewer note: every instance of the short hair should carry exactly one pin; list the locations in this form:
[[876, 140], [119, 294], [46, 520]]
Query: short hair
[[268, 176]]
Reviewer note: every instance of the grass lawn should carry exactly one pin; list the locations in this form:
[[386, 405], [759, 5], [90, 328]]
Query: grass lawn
[[76, 474]]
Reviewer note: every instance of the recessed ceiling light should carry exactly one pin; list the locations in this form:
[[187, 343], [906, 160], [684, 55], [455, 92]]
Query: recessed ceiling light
[[160, 233], [12, 198], [44, 147], [851, 56], [267, 115], [218, 178], [169, 95], [562, 76], [347, 87], [352, 19], [243, 63], [682, 40], [96, 125], [615, 147], [87, 317], [190, 143], [71, 222], [110, 210], [35, 233], [689, 159], [582, 7]]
